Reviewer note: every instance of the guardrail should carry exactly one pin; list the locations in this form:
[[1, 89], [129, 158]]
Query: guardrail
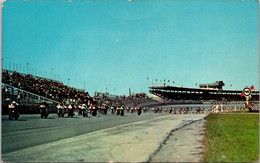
[[28, 97]]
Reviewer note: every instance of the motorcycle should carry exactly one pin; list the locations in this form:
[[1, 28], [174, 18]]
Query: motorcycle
[[117, 111], [156, 110], [197, 110], [132, 109], [112, 110], [70, 111], [122, 112], [44, 111], [80, 110], [145, 109], [180, 111], [170, 110], [139, 111], [13, 112], [103, 110], [85, 111], [94, 111], [60, 111], [127, 109]]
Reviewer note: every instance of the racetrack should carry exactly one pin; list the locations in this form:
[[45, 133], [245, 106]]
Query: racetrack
[[31, 130], [94, 139]]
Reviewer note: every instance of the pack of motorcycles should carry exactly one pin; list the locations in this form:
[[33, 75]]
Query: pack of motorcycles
[[85, 111], [82, 109]]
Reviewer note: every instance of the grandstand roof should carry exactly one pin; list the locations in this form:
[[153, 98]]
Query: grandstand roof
[[171, 88]]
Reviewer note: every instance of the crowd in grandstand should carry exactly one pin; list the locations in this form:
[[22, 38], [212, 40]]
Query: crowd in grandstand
[[57, 91], [44, 87]]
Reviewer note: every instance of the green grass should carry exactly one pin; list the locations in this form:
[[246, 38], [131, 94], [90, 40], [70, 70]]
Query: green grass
[[232, 138]]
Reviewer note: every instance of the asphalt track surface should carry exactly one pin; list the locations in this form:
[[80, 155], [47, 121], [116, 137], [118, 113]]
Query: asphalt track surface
[[30, 131]]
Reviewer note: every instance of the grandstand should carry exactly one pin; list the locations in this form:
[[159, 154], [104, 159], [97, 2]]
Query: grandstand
[[206, 92], [27, 88]]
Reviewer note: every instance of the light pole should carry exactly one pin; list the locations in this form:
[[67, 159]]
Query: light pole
[[51, 73], [68, 81], [28, 67]]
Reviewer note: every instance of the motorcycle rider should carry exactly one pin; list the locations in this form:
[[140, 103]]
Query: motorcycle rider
[[180, 110], [113, 109], [170, 110], [84, 108], [118, 109], [15, 107], [122, 110], [13, 104], [139, 110], [71, 106], [94, 110], [60, 106], [132, 109], [46, 105], [127, 109], [103, 109], [79, 109], [198, 110]]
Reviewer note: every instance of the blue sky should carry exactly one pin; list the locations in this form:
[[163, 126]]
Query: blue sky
[[114, 45]]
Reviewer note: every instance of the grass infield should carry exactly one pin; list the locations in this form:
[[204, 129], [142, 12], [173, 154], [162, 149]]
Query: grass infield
[[231, 138]]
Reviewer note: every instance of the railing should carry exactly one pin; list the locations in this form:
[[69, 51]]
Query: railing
[[27, 97], [34, 76]]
